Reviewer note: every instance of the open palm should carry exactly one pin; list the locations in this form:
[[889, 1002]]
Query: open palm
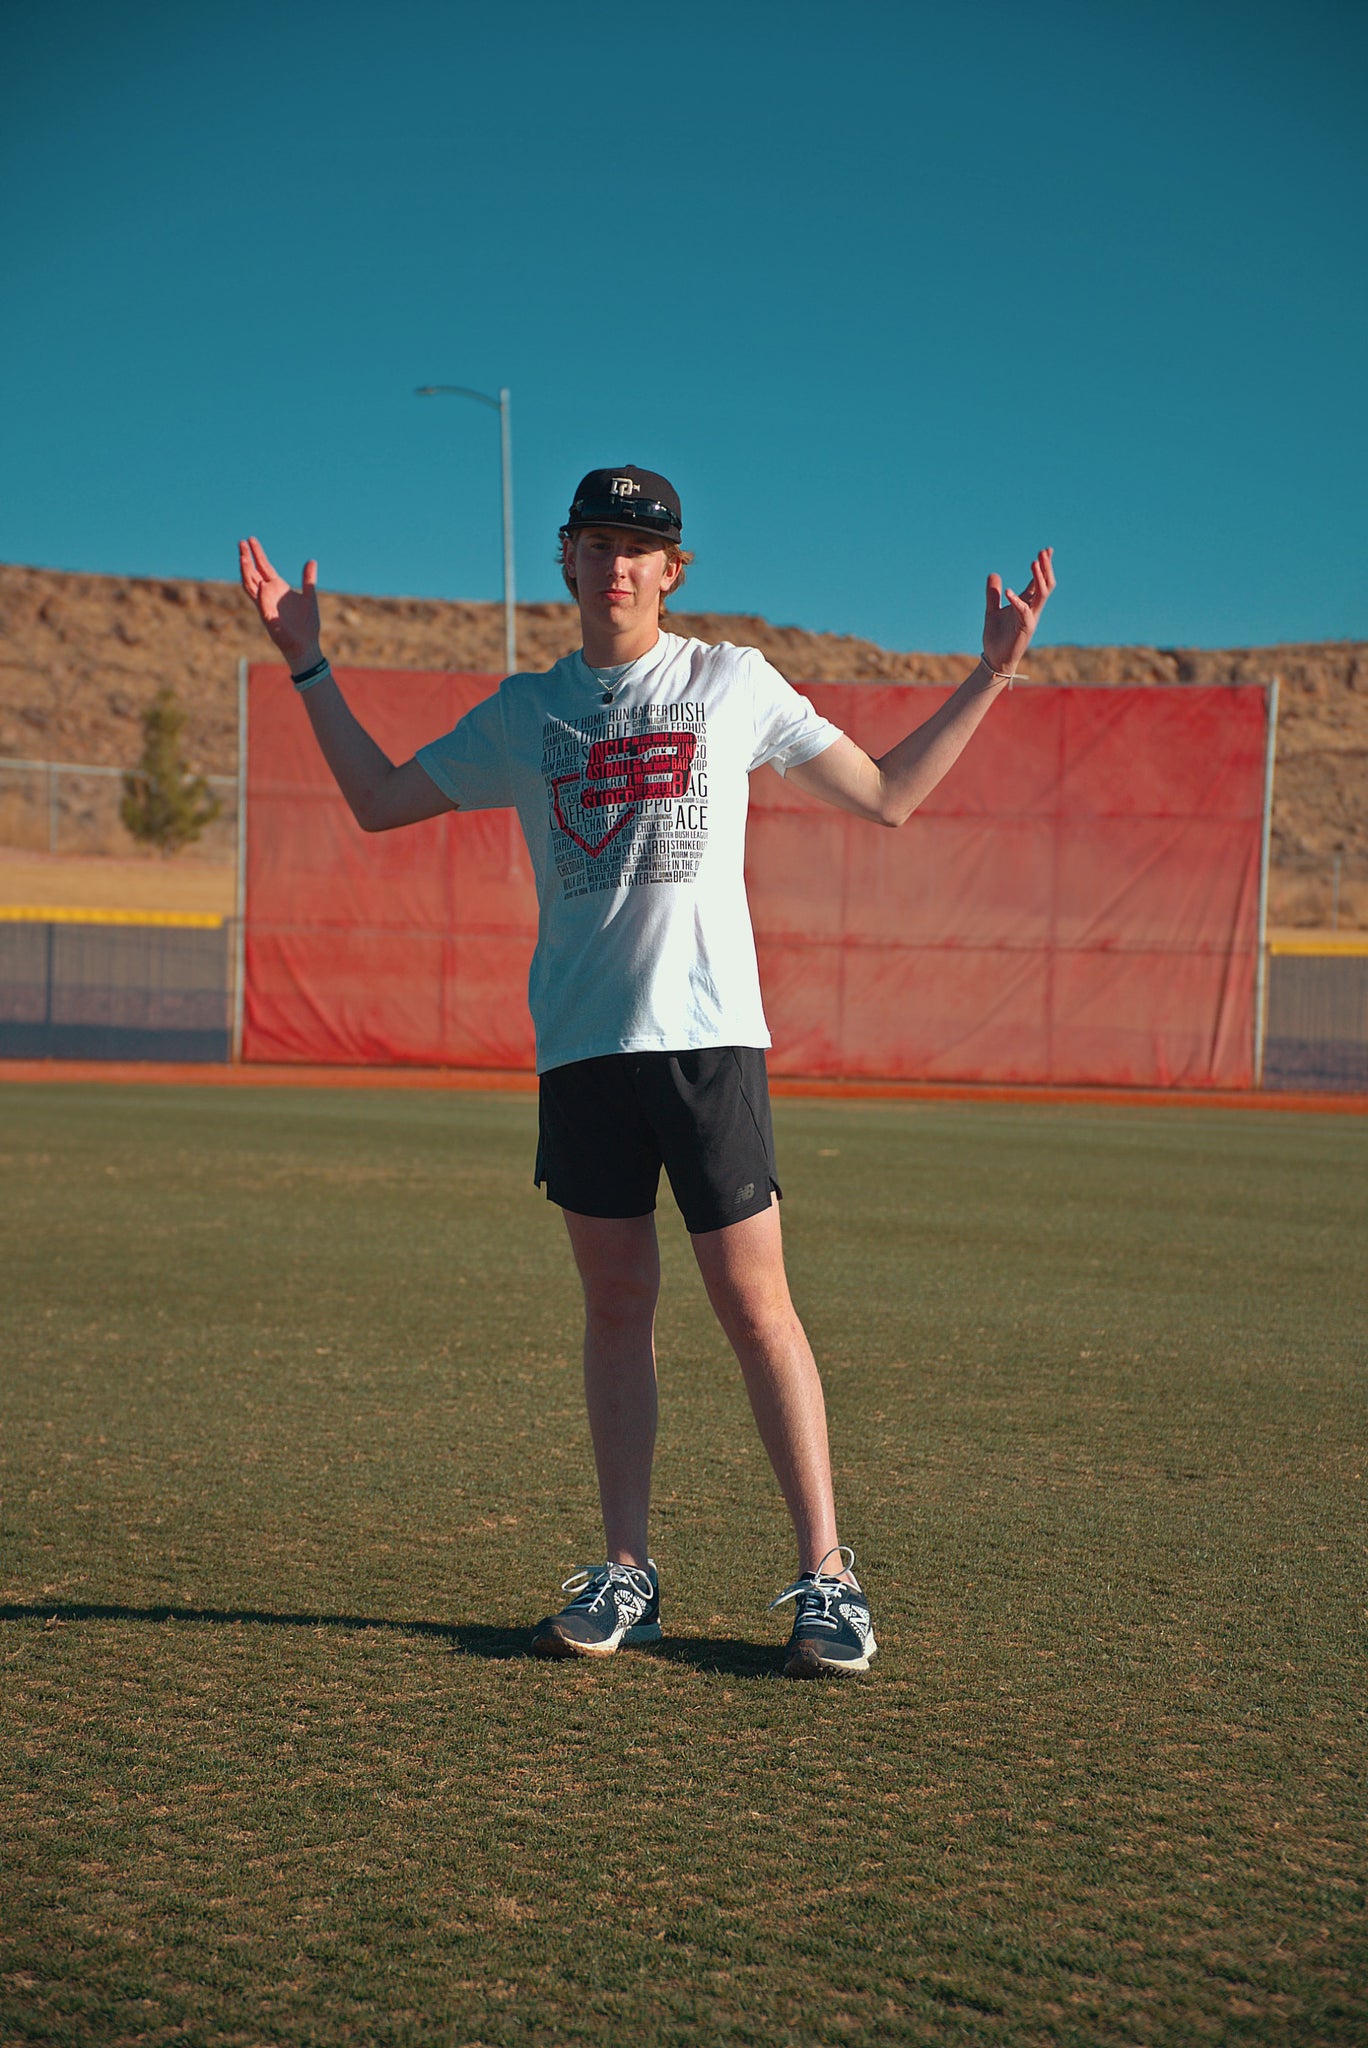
[[289, 616], [1009, 628]]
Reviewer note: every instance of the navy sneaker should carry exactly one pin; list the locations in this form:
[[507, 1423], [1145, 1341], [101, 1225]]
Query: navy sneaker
[[832, 1631], [613, 1604]]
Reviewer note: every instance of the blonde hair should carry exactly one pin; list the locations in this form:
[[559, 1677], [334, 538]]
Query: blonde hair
[[673, 552]]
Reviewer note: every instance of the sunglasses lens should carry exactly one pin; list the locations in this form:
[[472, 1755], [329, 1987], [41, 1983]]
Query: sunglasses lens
[[649, 513]]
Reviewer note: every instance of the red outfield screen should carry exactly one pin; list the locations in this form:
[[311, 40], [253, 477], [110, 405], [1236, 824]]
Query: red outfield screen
[[1077, 902]]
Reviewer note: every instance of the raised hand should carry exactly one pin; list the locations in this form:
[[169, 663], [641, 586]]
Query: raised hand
[[289, 616], [1008, 628]]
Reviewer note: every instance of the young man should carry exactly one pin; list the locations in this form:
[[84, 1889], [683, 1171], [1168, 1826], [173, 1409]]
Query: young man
[[628, 764]]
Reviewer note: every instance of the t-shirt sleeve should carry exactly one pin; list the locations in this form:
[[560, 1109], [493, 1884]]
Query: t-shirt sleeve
[[470, 763], [788, 731]]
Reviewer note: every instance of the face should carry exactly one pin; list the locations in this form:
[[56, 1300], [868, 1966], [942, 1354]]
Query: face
[[620, 575]]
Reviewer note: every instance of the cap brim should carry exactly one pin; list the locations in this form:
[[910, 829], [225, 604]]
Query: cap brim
[[612, 512], [624, 526]]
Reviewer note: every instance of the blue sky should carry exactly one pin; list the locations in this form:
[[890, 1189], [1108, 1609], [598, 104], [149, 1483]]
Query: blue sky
[[894, 293]]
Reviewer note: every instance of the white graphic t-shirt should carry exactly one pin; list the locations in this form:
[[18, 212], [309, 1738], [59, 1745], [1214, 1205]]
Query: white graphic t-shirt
[[634, 812]]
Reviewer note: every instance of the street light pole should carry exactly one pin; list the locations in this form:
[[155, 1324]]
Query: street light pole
[[500, 406]]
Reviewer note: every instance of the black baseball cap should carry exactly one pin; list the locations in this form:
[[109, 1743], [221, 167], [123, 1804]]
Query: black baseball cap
[[631, 497]]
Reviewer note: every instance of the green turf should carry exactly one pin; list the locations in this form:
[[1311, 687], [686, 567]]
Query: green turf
[[294, 1456]]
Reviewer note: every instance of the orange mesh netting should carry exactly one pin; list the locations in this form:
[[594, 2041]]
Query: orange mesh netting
[[1077, 902], [407, 946]]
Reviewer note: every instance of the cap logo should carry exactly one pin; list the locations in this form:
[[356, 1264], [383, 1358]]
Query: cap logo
[[625, 487]]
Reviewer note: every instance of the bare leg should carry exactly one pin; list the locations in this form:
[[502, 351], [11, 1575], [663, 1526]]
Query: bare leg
[[743, 1271], [619, 1269]]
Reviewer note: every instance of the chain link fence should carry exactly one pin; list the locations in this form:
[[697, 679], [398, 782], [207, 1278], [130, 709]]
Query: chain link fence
[[94, 984], [159, 989], [1316, 1029], [71, 807]]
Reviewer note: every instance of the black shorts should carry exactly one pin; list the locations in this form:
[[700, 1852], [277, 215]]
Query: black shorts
[[609, 1125]]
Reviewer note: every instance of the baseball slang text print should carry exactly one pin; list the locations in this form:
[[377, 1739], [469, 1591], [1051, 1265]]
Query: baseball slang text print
[[627, 795]]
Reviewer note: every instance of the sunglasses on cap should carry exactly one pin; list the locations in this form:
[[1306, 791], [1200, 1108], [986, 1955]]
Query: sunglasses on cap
[[624, 512]]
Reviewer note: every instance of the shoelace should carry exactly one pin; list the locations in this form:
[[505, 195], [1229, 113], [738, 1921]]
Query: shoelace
[[816, 1594], [593, 1583]]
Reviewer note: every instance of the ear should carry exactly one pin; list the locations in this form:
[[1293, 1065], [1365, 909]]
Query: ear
[[567, 547], [673, 571]]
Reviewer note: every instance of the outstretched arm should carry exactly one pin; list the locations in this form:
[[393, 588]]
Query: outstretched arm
[[888, 790], [380, 794]]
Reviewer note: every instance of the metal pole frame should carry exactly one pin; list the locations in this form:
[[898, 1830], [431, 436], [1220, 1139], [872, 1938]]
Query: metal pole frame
[[240, 889], [51, 768], [500, 405], [1265, 852], [510, 599]]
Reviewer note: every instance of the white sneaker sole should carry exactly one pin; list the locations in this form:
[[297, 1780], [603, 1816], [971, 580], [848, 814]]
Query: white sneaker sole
[[553, 1644], [808, 1662]]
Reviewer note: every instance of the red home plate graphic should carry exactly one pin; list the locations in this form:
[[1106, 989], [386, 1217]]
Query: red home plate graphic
[[628, 797]]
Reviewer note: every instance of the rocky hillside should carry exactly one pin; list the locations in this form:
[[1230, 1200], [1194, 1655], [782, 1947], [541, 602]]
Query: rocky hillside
[[80, 655]]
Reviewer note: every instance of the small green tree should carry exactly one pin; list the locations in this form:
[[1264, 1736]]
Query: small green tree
[[164, 805]]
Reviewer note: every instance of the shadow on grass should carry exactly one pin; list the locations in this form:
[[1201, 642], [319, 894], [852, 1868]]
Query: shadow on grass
[[476, 1642], [727, 1656]]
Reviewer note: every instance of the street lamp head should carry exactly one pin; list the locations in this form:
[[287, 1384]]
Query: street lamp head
[[498, 404]]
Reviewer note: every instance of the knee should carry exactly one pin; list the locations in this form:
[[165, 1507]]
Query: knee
[[757, 1317], [624, 1300]]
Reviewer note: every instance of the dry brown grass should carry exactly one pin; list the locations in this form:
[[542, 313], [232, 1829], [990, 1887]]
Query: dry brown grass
[[71, 881]]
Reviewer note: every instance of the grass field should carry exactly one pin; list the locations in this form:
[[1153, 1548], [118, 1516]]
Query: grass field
[[294, 1457]]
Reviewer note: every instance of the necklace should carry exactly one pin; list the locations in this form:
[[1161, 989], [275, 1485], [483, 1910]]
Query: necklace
[[611, 680]]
